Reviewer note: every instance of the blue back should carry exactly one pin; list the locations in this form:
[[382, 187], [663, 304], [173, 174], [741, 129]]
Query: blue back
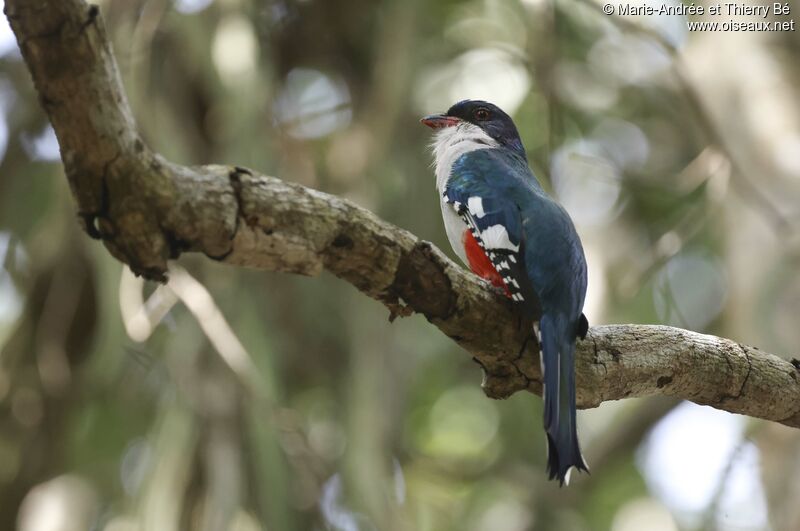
[[550, 251]]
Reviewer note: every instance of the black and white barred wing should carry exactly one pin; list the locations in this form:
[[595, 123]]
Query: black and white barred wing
[[496, 224]]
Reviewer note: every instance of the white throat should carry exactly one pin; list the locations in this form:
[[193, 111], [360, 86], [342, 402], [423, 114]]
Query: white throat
[[452, 142]]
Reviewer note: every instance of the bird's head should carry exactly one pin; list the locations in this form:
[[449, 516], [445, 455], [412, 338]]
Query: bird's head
[[488, 117]]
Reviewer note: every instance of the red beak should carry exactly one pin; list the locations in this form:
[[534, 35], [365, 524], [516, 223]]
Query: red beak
[[438, 121]]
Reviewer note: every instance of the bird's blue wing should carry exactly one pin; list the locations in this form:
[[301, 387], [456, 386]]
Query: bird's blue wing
[[478, 189]]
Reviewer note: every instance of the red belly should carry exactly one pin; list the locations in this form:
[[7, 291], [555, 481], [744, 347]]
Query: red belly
[[479, 263]]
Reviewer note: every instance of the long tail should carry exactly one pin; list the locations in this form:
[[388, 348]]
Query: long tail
[[558, 359]]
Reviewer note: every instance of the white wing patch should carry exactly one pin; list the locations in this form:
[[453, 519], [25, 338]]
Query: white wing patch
[[475, 206], [496, 237]]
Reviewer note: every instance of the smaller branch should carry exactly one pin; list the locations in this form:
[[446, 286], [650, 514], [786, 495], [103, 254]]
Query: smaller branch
[[215, 327]]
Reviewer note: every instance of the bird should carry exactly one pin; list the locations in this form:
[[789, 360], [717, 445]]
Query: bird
[[503, 225]]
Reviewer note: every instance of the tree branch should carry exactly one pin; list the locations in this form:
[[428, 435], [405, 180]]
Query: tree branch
[[147, 210]]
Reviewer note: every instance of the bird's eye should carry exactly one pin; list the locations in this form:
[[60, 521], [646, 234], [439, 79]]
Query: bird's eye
[[482, 114]]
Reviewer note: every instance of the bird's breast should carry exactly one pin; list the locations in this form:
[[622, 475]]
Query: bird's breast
[[452, 143], [454, 226]]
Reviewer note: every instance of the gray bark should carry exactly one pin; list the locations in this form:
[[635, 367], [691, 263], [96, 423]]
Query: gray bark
[[147, 210]]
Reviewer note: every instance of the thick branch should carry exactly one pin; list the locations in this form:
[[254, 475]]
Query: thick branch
[[147, 210]]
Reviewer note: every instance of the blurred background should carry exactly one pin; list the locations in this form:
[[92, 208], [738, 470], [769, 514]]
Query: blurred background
[[243, 400]]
